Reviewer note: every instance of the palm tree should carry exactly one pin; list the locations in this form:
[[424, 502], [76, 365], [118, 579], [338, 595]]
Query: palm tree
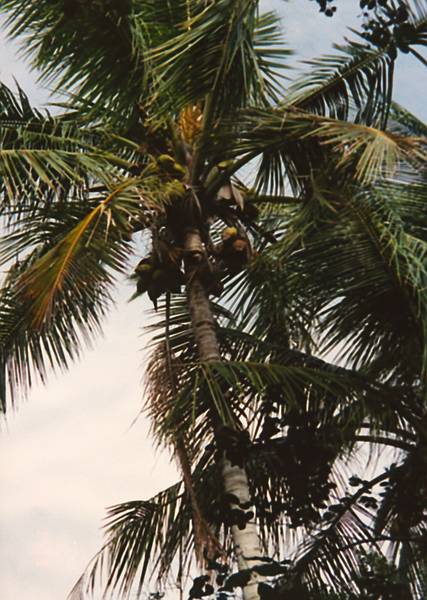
[[150, 150]]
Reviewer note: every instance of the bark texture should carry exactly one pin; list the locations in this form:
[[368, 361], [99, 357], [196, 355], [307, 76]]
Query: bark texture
[[246, 542], [203, 323]]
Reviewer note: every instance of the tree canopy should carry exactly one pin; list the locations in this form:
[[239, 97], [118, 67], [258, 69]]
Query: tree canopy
[[280, 230]]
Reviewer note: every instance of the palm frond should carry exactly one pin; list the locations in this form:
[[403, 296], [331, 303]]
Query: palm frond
[[357, 81], [330, 555], [26, 354], [82, 257], [236, 390], [43, 157], [396, 305], [100, 50], [59, 289], [16, 107], [408, 122], [294, 146], [226, 51], [329, 558], [366, 252], [377, 153], [145, 538], [142, 536], [399, 515]]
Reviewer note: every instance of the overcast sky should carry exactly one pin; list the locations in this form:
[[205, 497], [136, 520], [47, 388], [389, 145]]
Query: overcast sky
[[69, 451]]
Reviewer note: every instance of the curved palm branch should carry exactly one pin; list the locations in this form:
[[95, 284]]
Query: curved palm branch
[[43, 158], [141, 536], [242, 64], [98, 49], [408, 122], [65, 281], [294, 145], [345, 242], [358, 80], [331, 556], [239, 388], [27, 353]]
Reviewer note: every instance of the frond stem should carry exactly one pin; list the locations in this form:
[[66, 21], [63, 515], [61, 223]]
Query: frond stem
[[384, 440], [418, 55]]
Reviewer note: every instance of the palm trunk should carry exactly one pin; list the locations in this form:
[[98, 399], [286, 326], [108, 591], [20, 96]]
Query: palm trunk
[[247, 547], [235, 481]]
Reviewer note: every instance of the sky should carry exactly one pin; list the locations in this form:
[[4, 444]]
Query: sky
[[70, 450]]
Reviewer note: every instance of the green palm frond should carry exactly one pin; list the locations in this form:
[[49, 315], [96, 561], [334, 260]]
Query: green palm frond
[[98, 49], [408, 122], [143, 536], [328, 559], [16, 107], [393, 254], [56, 294], [270, 54], [85, 254], [358, 82], [252, 364], [345, 265], [224, 50], [26, 353], [330, 555], [258, 299], [360, 270], [292, 145], [29, 171], [399, 515], [376, 153], [42, 157], [236, 392], [146, 538]]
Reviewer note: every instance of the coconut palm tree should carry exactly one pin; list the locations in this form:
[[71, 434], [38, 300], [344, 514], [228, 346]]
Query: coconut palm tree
[[320, 249]]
